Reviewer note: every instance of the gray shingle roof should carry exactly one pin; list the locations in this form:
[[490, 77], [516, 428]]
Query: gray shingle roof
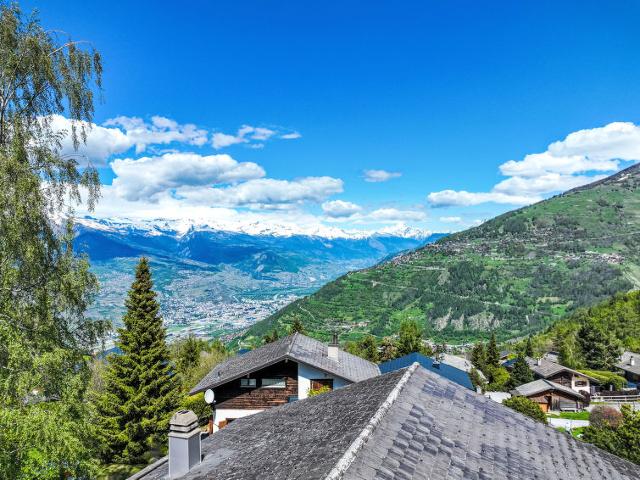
[[542, 385], [626, 366], [547, 368], [297, 347], [402, 425]]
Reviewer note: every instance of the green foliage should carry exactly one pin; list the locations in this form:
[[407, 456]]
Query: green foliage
[[607, 379], [528, 348], [516, 274], [388, 349], [197, 405], [476, 379], [526, 407], [365, 348], [409, 338], [318, 391], [186, 353], [498, 379], [599, 349], [479, 355], [492, 353], [140, 389], [270, 337], [45, 337], [521, 373], [297, 326], [618, 436]]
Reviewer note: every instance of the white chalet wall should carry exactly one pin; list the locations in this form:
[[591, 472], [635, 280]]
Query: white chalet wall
[[306, 373]]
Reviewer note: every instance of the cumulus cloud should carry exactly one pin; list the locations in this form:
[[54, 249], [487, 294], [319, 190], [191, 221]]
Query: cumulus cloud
[[340, 209], [101, 142], [249, 135], [396, 215], [160, 131], [379, 175], [566, 164], [146, 177], [264, 193]]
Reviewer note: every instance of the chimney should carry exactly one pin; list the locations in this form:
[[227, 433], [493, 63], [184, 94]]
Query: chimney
[[632, 361], [539, 362], [333, 348], [184, 443]]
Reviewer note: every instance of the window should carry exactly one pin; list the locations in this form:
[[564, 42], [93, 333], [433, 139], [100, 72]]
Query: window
[[274, 382], [248, 383], [581, 383]]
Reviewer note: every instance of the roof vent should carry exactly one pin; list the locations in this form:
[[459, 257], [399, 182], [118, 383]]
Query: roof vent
[[184, 443], [333, 348]]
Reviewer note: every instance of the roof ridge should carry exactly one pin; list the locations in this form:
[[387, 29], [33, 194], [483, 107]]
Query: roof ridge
[[349, 456]]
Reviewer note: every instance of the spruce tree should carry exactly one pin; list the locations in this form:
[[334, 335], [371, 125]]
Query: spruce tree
[[297, 327], [528, 348], [493, 355], [141, 390], [599, 348], [521, 373], [479, 356]]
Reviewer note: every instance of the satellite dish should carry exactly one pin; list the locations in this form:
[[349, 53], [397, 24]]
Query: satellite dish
[[209, 397]]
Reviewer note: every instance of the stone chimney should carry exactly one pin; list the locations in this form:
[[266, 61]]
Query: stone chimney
[[333, 348], [184, 443]]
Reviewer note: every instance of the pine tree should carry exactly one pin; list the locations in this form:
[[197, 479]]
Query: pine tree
[[479, 356], [493, 355], [521, 373], [528, 348], [141, 391]]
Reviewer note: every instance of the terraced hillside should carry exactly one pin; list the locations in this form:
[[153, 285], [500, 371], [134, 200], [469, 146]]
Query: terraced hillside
[[514, 274]]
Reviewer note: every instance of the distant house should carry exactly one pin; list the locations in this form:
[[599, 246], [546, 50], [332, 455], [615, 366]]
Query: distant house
[[438, 367], [567, 377], [407, 424], [630, 365], [278, 373], [550, 395]]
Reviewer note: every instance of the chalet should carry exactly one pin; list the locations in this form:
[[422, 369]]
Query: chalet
[[278, 373], [630, 365], [567, 377], [407, 424], [551, 396], [461, 377]]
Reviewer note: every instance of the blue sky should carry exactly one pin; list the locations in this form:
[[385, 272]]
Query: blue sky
[[439, 93]]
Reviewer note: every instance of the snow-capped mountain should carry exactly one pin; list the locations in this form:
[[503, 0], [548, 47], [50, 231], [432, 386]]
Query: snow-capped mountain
[[225, 276]]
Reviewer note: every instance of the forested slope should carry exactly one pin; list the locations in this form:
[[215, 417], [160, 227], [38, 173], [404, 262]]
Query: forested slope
[[514, 274]]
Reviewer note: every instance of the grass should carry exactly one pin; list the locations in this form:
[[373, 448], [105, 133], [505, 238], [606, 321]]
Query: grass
[[575, 432], [570, 415]]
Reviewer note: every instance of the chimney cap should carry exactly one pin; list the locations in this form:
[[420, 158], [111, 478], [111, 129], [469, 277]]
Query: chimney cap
[[183, 421]]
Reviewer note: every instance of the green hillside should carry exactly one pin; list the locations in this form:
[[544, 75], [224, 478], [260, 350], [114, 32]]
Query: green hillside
[[514, 274]]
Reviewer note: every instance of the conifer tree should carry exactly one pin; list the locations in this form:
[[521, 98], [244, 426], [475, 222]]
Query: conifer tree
[[478, 356], [599, 348], [521, 373], [493, 355], [141, 390], [528, 348]]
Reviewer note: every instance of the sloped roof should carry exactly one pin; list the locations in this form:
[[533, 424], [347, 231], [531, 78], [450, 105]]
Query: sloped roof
[[454, 374], [406, 424], [626, 365], [547, 368], [297, 347], [543, 385]]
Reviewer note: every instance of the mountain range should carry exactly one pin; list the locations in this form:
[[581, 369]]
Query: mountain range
[[512, 275], [213, 281]]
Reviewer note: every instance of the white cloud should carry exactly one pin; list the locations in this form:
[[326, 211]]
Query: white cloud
[[291, 136], [340, 209], [249, 134], [379, 175], [450, 219], [101, 142], [146, 177], [395, 215], [564, 165], [160, 131]]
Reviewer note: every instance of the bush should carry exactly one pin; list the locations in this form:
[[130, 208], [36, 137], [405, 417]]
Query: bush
[[498, 379], [319, 391], [526, 407], [607, 378], [197, 404], [603, 417]]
